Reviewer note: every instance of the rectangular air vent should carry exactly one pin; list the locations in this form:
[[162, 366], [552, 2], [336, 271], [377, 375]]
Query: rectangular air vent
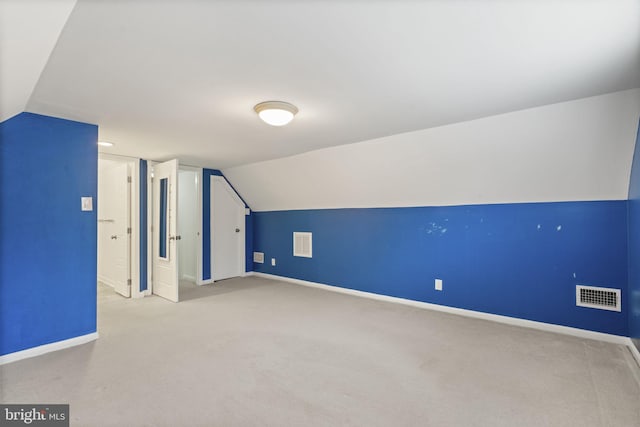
[[258, 257], [595, 297], [302, 243]]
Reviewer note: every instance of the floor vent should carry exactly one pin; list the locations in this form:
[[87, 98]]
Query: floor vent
[[595, 297], [258, 257], [302, 244]]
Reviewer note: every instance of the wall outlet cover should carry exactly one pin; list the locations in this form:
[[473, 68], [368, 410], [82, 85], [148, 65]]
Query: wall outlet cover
[[273, 262], [438, 284], [87, 203]]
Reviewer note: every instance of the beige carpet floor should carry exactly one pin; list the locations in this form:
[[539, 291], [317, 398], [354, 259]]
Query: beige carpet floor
[[257, 352]]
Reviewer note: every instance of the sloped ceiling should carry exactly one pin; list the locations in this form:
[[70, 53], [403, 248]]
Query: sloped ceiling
[[179, 78], [571, 151], [29, 30]]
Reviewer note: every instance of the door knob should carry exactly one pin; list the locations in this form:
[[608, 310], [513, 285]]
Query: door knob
[[113, 237], [237, 230]]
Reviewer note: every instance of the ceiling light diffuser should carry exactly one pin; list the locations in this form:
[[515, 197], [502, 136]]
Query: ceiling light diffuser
[[276, 113], [105, 144]]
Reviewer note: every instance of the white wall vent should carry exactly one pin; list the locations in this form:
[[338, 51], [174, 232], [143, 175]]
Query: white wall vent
[[595, 297], [302, 244], [258, 257]]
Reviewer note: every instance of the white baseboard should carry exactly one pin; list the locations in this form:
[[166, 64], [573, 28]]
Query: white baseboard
[[47, 348], [105, 281], [188, 277], [549, 327], [137, 293], [634, 350]]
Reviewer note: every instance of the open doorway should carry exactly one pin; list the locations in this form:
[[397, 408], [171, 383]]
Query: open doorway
[[118, 221], [189, 228], [176, 229]]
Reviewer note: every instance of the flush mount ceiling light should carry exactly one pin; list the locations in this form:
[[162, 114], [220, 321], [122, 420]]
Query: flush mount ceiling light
[[276, 113], [105, 144]]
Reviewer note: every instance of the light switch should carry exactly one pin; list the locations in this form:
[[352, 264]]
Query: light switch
[[87, 203]]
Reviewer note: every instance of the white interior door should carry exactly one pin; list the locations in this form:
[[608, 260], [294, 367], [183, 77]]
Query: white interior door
[[165, 221], [113, 228], [227, 230]]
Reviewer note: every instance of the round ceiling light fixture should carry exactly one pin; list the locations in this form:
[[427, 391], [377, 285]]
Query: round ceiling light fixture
[[105, 143], [276, 113]]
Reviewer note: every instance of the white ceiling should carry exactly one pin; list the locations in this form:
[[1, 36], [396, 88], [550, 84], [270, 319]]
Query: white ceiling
[[168, 79], [29, 30]]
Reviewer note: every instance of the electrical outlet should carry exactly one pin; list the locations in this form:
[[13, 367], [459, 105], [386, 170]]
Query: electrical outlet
[[87, 203], [438, 284], [273, 262]]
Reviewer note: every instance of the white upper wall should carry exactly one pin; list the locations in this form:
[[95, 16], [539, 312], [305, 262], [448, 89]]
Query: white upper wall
[[29, 30], [577, 150]]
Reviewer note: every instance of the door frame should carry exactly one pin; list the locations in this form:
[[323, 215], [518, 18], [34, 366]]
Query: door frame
[[198, 208], [241, 219], [133, 166]]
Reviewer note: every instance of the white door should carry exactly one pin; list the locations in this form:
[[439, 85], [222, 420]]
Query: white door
[[227, 230], [165, 214], [114, 229]]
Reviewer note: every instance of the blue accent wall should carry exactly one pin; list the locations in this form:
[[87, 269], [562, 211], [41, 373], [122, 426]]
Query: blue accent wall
[[206, 225], [519, 260], [634, 244], [143, 225], [48, 246]]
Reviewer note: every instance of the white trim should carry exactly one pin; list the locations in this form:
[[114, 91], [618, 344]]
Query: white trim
[[47, 348], [134, 223], [206, 282], [150, 165], [137, 232], [634, 351], [199, 251], [566, 330]]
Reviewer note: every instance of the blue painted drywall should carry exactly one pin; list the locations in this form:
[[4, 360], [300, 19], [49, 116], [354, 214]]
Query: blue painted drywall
[[519, 260], [143, 225], [206, 225], [48, 246], [248, 244], [634, 243]]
